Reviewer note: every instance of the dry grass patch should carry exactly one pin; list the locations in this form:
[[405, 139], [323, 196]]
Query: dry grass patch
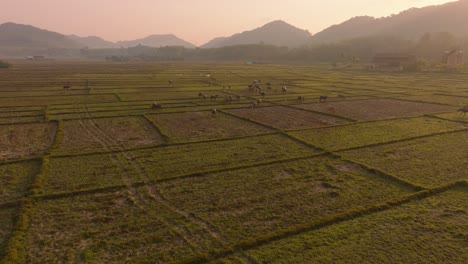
[[25, 140], [202, 125], [286, 117]]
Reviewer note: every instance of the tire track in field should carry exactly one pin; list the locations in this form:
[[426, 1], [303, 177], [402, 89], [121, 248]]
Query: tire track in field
[[133, 194], [109, 143]]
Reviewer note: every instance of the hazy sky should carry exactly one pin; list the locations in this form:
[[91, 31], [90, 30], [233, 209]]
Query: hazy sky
[[196, 21]]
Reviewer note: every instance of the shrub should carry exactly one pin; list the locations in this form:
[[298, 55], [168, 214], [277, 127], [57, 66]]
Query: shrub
[[4, 64]]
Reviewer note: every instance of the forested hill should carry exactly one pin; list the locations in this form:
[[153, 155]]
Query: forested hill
[[410, 24]]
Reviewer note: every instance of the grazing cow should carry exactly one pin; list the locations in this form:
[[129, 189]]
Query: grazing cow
[[342, 96], [229, 98], [200, 94], [229, 87], [213, 112], [171, 82], [262, 93], [300, 98], [238, 97], [463, 110], [323, 98], [213, 97], [66, 87], [156, 106], [284, 89], [259, 101], [253, 104]]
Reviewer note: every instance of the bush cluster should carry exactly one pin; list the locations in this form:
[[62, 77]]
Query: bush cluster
[[4, 64]]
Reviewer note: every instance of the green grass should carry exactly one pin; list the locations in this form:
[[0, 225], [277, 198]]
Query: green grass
[[15, 179], [7, 217], [254, 203], [192, 126], [432, 230], [105, 170], [104, 134], [113, 227], [120, 182], [429, 162], [362, 134], [376, 109]]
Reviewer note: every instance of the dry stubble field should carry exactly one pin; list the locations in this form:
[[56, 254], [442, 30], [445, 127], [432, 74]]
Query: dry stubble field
[[96, 176]]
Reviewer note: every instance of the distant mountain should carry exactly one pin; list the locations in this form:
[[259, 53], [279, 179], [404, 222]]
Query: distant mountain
[[25, 36], [215, 43], [93, 42], [157, 41], [411, 24], [278, 33]]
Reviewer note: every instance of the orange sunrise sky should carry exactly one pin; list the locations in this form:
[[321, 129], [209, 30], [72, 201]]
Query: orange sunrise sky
[[196, 21]]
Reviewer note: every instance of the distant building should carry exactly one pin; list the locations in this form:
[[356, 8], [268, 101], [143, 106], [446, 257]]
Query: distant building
[[393, 60], [454, 58]]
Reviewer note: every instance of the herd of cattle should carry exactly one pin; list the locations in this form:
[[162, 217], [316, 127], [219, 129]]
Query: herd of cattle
[[255, 87]]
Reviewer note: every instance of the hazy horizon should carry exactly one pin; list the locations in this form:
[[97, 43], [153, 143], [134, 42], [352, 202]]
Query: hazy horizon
[[196, 22]]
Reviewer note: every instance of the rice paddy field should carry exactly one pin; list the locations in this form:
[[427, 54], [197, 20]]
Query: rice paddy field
[[377, 173]]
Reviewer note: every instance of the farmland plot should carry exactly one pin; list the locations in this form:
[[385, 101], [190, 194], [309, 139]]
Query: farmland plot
[[430, 162], [21, 119], [114, 227], [286, 118], [45, 100], [262, 201], [16, 178], [368, 133], [435, 226], [441, 99], [26, 140], [202, 125], [6, 226], [377, 109], [127, 167], [121, 182], [104, 134]]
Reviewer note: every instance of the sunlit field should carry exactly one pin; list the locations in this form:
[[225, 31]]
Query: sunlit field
[[376, 171]]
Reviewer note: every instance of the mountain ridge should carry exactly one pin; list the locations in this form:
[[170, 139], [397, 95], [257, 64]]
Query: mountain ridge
[[411, 24], [278, 33]]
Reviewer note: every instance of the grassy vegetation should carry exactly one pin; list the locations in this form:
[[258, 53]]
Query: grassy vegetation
[[104, 170], [192, 126], [430, 161], [113, 227], [432, 230], [15, 179], [4, 65], [256, 202], [25, 140], [362, 134], [286, 118], [104, 134], [6, 223], [377, 109], [97, 176]]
